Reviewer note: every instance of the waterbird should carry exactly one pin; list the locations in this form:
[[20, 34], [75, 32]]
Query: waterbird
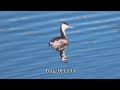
[[60, 43]]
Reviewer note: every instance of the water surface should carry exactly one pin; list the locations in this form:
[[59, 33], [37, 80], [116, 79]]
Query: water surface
[[94, 49]]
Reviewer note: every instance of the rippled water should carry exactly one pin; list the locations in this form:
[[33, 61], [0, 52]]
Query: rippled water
[[93, 52]]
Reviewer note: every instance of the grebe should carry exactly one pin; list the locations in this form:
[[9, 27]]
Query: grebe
[[60, 43]]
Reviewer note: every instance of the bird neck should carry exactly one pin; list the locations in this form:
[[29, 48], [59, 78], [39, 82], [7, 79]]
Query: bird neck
[[63, 34]]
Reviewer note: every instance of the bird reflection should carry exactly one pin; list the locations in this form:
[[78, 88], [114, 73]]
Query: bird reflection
[[63, 56]]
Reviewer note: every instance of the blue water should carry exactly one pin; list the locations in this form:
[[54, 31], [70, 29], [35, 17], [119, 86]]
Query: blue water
[[93, 51]]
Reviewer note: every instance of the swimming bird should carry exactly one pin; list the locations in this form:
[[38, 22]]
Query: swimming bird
[[60, 43]]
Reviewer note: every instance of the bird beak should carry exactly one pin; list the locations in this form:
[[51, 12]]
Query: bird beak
[[70, 27]]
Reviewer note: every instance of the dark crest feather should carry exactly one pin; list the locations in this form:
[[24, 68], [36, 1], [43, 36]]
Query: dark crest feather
[[65, 23]]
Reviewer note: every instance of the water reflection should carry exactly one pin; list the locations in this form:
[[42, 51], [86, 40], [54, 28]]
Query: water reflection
[[63, 56]]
